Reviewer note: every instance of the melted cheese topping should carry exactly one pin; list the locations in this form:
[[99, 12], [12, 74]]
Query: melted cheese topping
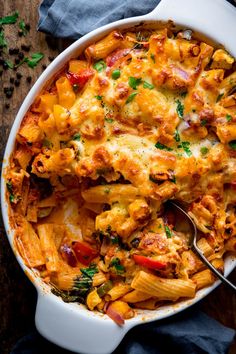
[[145, 118]]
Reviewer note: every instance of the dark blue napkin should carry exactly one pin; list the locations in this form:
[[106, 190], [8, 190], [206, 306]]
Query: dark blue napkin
[[190, 332]]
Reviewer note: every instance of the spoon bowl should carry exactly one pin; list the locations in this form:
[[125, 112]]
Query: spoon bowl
[[190, 230]]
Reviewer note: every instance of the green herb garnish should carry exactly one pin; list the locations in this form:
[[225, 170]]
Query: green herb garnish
[[168, 231], [203, 122], [114, 240], [131, 97], [76, 137], [34, 60], [9, 64], [219, 97], [180, 109], [98, 97], [204, 150], [109, 120], [228, 117], [152, 56], [162, 147], [99, 66], [23, 28], [47, 143], [185, 146], [184, 94], [232, 144], [148, 85], [173, 179], [89, 272], [115, 74], [134, 82], [3, 42], [177, 136], [115, 262], [10, 190], [8, 20]]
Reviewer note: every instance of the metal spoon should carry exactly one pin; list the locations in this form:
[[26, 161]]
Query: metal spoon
[[193, 245]]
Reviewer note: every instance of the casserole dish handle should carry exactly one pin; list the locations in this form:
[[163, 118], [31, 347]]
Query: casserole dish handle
[[59, 323], [216, 18]]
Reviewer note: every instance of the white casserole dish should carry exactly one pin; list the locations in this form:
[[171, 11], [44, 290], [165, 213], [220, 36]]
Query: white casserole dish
[[70, 325]]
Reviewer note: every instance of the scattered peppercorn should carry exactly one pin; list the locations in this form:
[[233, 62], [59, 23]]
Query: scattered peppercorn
[[17, 83], [51, 58], [9, 94], [12, 80], [27, 26], [19, 76], [20, 33], [21, 55], [1, 72], [44, 66], [13, 51], [1, 61], [17, 61], [5, 65], [29, 79], [25, 48], [7, 106], [11, 88]]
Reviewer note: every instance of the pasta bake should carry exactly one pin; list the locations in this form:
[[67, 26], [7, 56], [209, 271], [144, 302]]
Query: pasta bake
[[137, 119]]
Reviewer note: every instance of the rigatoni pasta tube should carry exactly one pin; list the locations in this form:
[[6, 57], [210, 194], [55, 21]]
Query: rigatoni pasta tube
[[164, 289], [117, 291], [48, 246], [106, 194], [105, 46], [204, 278], [135, 296]]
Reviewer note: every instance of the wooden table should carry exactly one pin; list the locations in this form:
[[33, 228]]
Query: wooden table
[[18, 297]]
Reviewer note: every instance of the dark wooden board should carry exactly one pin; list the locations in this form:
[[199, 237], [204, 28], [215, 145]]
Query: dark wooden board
[[18, 296]]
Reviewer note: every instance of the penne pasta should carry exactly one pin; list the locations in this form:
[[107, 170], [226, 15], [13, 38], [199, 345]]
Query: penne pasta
[[48, 246]]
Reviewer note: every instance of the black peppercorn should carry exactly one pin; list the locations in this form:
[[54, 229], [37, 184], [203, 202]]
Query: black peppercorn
[[12, 80], [21, 55], [7, 106], [9, 94], [5, 65], [44, 66], [29, 79], [17, 61], [1, 72], [25, 48], [51, 58], [17, 83], [19, 76], [27, 26], [20, 33]]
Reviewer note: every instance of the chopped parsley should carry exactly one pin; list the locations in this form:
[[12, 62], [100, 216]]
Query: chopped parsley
[[177, 136], [134, 82], [3, 42], [109, 120], [228, 117], [98, 97], [115, 74], [185, 146], [173, 179], [47, 143], [114, 240], [148, 85], [162, 147], [204, 150], [219, 97], [203, 122], [115, 262], [23, 28], [180, 109], [10, 190], [34, 60], [9, 64], [89, 272], [99, 66], [232, 144], [131, 97], [152, 56], [184, 94], [8, 20], [76, 137], [168, 231]]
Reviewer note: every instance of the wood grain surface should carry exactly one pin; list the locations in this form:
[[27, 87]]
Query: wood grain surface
[[18, 296]]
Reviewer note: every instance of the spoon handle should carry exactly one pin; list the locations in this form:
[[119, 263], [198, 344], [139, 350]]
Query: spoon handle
[[213, 269]]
